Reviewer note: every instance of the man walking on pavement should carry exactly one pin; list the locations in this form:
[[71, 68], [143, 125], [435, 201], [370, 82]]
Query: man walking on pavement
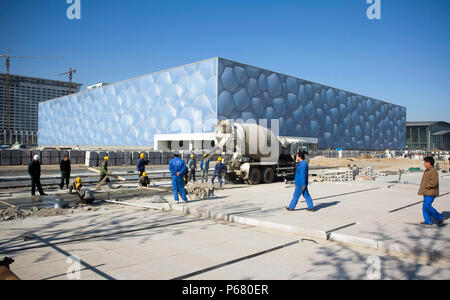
[[301, 184], [192, 165], [178, 169], [219, 169], [65, 168], [140, 166], [204, 167], [34, 169], [104, 170], [429, 189]]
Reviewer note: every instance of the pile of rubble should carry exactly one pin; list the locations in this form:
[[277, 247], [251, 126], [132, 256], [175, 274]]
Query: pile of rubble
[[13, 213], [46, 211]]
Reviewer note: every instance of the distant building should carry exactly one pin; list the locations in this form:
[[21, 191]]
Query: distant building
[[25, 93], [94, 86], [193, 97], [428, 136]]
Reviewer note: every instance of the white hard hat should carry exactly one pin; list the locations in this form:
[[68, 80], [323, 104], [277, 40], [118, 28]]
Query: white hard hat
[[36, 157]]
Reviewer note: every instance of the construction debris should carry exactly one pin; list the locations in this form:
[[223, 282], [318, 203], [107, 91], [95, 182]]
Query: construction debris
[[158, 199], [13, 213], [200, 191]]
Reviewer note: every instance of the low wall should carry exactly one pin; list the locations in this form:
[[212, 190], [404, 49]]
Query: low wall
[[86, 157]]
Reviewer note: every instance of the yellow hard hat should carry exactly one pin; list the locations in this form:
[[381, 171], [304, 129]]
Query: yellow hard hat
[[204, 155], [144, 174], [219, 159], [78, 180], [192, 155], [106, 158], [142, 155]]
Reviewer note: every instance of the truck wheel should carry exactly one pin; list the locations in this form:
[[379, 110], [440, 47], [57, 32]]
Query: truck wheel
[[268, 175], [254, 177]]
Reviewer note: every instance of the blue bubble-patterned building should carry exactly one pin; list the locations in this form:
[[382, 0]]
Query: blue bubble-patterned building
[[193, 97]]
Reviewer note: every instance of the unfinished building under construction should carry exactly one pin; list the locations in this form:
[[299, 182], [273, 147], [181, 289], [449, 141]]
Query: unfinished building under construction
[[191, 98]]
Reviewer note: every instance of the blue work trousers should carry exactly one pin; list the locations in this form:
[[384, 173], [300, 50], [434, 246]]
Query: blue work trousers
[[429, 211], [299, 192], [178, 188]]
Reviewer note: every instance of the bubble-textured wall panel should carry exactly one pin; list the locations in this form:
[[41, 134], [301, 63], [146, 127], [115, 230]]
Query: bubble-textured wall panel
[[131, 112], [338, 118], [191, 98]]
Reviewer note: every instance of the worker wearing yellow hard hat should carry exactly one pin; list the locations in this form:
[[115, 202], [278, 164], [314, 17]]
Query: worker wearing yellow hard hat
[[219, 171], [144, 180], [75, 184], [140, 166], [78, 183], [104, 170]]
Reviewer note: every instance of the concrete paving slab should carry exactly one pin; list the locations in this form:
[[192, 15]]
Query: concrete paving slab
[[366, 203]]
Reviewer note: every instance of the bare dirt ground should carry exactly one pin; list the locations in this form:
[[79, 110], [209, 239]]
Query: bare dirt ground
[[379, 164]]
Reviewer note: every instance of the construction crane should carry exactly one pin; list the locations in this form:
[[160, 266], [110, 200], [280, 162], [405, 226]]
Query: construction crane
[[8, 63], [70, 72]]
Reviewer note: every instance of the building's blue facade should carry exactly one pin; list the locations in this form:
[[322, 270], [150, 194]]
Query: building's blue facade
[[191, 98]]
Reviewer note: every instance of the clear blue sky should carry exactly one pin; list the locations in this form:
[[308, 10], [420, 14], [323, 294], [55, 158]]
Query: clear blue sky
[[404, 58]]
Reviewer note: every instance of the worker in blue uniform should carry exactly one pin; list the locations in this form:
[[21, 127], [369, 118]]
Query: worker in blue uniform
[[204, 166], [301, 184], [219, 169], [140, 166], [178, 169]]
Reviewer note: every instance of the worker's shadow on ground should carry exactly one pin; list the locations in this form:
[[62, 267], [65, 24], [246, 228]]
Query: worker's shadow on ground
[[321, 206]]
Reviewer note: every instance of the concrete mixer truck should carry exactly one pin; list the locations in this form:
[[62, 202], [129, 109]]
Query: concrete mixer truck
[[251, 152], [255, 154]]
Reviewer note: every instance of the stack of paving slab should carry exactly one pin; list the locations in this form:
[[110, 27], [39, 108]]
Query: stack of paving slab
[[369, 172], [77, 157], [340, 175]]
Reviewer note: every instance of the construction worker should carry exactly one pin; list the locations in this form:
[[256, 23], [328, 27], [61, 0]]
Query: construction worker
[[178, 169], [204, 167], [144, 180], [86, 195], [104, 170], [429, 189], [34, 169], [219, 170], [301, 184], [73, 184], [140, 166], [192, 165], [65, 168]]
